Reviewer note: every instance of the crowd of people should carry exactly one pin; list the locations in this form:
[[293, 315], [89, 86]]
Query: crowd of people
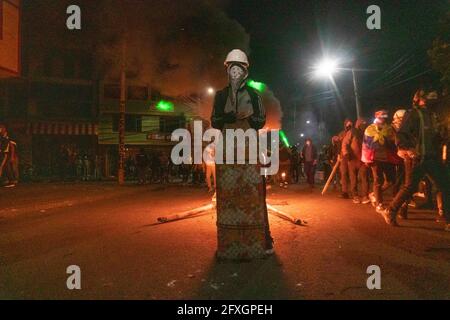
[[157, 167], [74, 164], [400, 155], [405, 156]]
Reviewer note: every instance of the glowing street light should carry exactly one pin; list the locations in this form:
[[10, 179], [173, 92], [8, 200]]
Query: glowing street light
[[210, 91], [302, 135], [326, 68], [308, 121]]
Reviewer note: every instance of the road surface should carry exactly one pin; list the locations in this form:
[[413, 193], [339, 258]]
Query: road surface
[[109, 232]]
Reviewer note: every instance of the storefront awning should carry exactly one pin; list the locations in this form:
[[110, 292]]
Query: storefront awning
[[62, 128]]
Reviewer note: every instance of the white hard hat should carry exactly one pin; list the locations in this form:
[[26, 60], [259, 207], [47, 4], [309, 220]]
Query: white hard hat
[[237, 55], [397, 119], [399, 114]]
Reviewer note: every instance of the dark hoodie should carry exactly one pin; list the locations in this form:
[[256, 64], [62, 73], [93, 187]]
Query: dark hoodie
[[421, 131], [352, 141]]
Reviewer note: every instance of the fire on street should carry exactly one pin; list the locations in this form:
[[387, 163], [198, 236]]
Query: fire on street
[[110, 233]]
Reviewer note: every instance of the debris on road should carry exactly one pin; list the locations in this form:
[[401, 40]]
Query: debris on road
[[171, 284]]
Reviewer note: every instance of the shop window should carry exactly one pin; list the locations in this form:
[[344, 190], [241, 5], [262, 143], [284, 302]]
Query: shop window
[[133, 123], [169, 124]]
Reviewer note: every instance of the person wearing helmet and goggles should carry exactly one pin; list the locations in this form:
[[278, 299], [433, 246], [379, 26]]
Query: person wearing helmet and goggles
[[242, 222]]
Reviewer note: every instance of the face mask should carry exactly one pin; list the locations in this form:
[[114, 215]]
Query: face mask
[[236, 76]]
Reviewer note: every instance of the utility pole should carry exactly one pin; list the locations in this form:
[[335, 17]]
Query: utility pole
[[123, 65], [355, 88]]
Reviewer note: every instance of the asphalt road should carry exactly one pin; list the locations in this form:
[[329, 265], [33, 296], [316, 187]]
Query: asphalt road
[[109, 232]]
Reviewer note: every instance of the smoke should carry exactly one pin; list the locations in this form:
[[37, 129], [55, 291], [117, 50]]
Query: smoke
[[179, 47], [176, 47], [274, 112]]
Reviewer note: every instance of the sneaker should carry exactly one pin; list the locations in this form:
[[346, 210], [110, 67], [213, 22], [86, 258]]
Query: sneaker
[[440, 219], [356, 200], [365, 200], [412, 204], [388, 215], [344, 195], [10, 185], [372, 199], [269, 246]]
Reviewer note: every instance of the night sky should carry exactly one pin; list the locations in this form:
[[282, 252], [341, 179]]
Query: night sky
[[287, 37]]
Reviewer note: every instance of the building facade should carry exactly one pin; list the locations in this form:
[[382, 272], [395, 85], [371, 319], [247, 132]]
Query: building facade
[[150, 119], [10, 29]]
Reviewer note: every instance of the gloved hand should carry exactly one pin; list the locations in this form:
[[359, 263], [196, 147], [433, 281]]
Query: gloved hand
[[412, 153], [244, 114], [402, 153], [229, 117], [407, 153]]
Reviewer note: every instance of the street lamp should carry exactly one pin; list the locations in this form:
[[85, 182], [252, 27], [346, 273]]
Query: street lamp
[[327, 67]]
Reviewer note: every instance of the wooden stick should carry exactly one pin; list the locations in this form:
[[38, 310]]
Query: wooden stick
[[284, 215], [186, 214], [330, 178]]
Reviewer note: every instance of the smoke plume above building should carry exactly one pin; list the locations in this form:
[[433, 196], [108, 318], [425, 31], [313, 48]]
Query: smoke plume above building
[[176, 47]]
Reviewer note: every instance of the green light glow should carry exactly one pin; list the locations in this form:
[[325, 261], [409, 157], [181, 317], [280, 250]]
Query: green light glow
[[165, 106], [284, 138], [258, 86]]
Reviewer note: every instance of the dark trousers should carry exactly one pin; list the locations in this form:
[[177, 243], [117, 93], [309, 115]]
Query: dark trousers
[[310, 171], [141, 173], [358, 171], [381, 172], [343, 170], [437, 173], [399, 178], [268, 236], [294, 172], [8, 169]]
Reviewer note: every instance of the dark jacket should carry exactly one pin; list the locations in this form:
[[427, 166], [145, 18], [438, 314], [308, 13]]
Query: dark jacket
[[352, 143], [219, 118], [313, 153], [421, 130]]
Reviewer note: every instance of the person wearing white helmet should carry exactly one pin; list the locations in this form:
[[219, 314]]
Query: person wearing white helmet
[[397, 119], [242, 222], [238, 56]]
